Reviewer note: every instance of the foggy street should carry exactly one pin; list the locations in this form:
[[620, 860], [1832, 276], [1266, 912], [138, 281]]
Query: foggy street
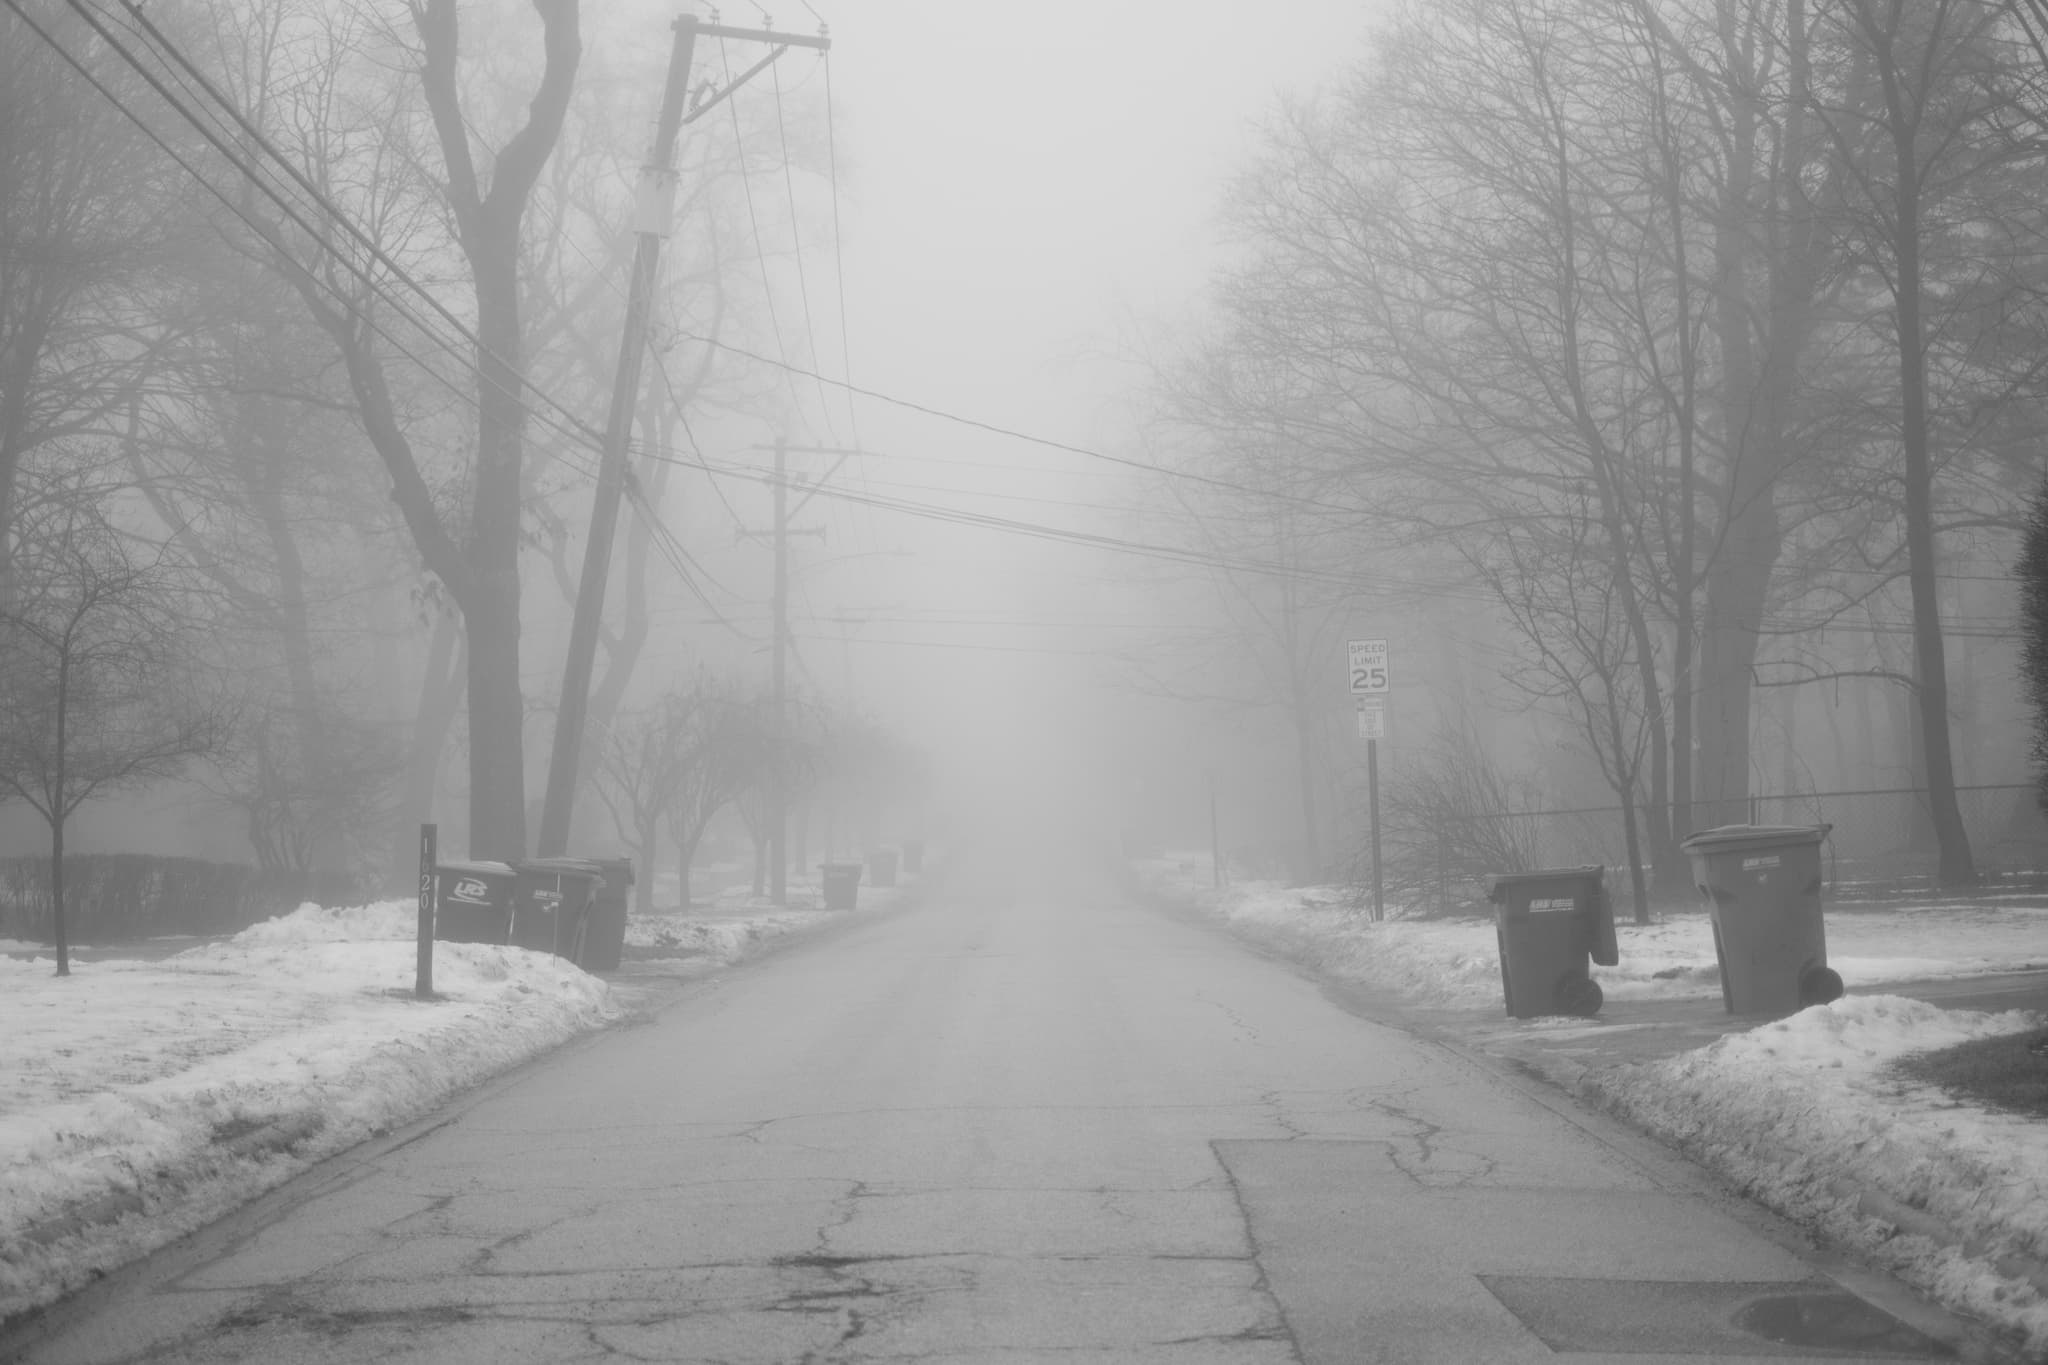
[[1027, 1118]]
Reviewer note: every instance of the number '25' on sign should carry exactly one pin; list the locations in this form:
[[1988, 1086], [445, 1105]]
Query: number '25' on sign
[[1368, 660]]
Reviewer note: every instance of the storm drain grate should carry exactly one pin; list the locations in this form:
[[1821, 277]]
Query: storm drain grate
[[1667, 1317]]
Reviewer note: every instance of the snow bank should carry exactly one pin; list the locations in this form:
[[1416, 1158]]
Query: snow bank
[[1805, 1115], [177, 1089]]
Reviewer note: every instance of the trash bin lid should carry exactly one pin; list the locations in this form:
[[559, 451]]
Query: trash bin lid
[[476, 868], [578, 867], [1732, 838], [1549, 876]]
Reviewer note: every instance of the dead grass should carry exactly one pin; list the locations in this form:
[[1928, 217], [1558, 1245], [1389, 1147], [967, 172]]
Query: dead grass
[[2008, 1072]]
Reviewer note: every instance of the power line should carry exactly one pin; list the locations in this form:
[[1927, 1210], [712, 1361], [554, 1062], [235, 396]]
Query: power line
[[838, 248], [577, 430], [803, 287], [579, 434], [1046, 441]]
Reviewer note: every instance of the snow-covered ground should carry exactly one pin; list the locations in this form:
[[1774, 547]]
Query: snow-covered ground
[[1802, 1113], [140, 1098]]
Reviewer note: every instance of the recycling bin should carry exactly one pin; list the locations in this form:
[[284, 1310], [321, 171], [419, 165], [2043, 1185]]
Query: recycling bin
[[841, 884], [473, 902], [913, 857], [882, 866], [1762, 883], [550, 897], [1548, 924], [603, 939]]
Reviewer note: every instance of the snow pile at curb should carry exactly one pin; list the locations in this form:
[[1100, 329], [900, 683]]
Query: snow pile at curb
[[726, 940], [178, 1089], [1803, 1115]]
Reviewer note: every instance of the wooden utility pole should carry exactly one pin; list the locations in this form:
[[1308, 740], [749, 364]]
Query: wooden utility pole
[[652, 215], [1215, 839], [778, 774], [778, 783]]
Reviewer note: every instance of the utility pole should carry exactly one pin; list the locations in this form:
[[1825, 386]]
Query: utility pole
[[653, 214], [778, 775], [1215, 840], [778, 782]]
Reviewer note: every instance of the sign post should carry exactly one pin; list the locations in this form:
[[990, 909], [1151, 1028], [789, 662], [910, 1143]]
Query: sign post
[[423, 969], [1368, 667]]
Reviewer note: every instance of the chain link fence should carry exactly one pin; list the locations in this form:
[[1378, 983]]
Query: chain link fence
[[1880, 838]]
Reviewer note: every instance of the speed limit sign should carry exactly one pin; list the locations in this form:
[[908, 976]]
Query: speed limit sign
[[1368, 667]]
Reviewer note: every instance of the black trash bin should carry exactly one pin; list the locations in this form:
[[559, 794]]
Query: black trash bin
[[882, 866], [473, 902], [603, 939], [1763, 885], [1548, 924], [550, 897], [841, 884]]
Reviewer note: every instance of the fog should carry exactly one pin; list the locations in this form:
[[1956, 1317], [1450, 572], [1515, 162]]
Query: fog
[[1127, 362]]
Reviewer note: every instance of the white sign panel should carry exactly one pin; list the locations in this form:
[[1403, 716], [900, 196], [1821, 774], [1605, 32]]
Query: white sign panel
[[1368, 667], [1372, 718]]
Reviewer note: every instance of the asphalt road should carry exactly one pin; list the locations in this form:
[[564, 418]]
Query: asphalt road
[[1040, 1124]]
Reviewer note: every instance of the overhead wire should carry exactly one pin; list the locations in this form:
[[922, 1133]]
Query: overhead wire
[[838, 246], [580, 433], [578, 429], [754, 222], [1048, 442], [803, 287], [348, 305]]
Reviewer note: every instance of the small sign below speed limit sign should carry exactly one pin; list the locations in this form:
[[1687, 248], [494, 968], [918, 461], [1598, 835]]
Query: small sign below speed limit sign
[[1368, 667]]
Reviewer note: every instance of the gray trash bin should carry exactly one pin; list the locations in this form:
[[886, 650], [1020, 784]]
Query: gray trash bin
[[473, 902], [841, 884], [1763, 884], [550, 896], [603, 941], [1548, 925]]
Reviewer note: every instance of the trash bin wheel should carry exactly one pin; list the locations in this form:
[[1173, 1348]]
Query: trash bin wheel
[[1580, 995], [1819, 986]]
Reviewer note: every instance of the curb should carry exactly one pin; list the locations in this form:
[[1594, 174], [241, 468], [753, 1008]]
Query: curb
[[278, 1135]]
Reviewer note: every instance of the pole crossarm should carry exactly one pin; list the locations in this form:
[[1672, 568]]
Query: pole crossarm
[[821, 42], [783, 43]]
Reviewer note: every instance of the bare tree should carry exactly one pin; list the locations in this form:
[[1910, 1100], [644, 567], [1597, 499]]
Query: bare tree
[[86, 218], [670, 769], [89, 682]]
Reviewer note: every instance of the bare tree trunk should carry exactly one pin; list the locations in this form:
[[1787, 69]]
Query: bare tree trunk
[[1955, 866], [441, 687]]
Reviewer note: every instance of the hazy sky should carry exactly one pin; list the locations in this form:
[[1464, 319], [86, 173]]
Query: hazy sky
[[1028, 193]]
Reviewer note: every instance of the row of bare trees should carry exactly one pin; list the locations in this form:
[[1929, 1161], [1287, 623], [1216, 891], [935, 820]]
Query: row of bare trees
[[1670, 334], [301, 305]]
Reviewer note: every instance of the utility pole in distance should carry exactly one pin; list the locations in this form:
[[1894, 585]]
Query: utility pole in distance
[[778, 776], [653, 214]]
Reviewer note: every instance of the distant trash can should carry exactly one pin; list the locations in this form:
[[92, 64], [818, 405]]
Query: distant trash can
[[882, 866], [913, 857], [550, 897], [841, 884], [473, 902], [602, 941], [1763, 885], [1548, 924]]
